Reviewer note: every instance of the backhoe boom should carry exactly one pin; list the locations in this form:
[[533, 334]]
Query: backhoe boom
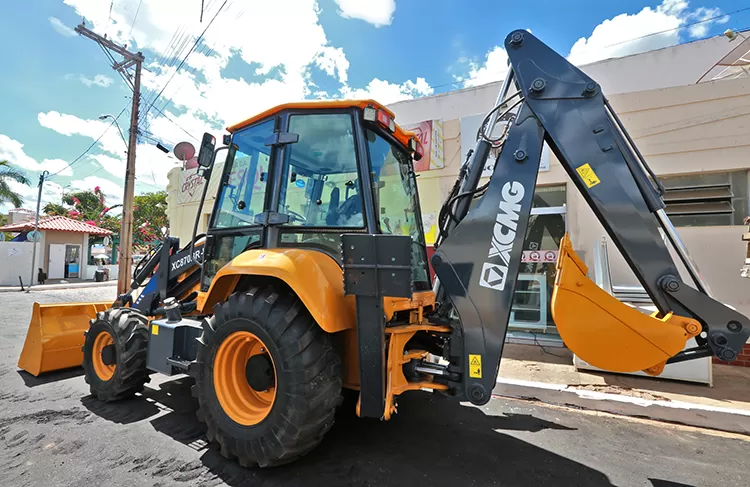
[[477, 261]]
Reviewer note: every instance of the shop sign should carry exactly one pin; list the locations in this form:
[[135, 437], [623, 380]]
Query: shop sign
[[539, 256], [430, 135], [190, 186]]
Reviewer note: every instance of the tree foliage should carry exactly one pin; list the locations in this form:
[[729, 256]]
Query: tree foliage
[[9, 173], [149, 213], [149, 217]]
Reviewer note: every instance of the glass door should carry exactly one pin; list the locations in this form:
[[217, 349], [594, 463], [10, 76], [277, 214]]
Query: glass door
[[536, 278]]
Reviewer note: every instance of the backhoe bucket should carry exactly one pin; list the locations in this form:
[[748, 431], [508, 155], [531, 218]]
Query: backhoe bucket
[[55, 336], [607, 333]]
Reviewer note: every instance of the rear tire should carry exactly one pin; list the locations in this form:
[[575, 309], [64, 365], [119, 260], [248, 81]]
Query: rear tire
[[126, 330], [307, 389]]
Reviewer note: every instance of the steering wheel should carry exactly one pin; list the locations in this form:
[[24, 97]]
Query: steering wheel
[[296, 216]]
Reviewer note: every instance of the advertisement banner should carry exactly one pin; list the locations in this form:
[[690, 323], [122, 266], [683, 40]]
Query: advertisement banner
[[430, 135], [470, 127]]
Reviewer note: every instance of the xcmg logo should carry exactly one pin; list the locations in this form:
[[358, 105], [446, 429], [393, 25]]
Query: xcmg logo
[[503, 235]]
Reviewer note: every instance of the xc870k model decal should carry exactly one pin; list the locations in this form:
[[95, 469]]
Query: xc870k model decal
[[495, 269]]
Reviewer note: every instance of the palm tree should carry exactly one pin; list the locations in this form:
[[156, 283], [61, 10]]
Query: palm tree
[[10, 173]]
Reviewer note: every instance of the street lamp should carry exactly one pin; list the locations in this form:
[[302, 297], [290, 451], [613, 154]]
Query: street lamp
[[114, 119]]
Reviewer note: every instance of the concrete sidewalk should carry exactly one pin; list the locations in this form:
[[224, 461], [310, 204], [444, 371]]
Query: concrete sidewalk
[[49, 287], [548, 375]]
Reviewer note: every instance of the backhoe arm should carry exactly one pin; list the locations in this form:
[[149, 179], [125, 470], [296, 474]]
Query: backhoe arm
[[479, 255]]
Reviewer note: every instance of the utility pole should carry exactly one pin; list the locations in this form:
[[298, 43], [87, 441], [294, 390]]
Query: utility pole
[[134, 60], [36, 228]]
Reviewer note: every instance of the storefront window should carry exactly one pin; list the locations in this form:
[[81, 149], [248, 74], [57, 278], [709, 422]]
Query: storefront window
[[536, 278]]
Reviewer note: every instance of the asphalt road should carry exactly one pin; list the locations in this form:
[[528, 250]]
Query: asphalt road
[[52, 433]]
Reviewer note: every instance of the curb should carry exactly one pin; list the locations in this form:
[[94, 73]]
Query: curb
[[691, 414], [52, 287]]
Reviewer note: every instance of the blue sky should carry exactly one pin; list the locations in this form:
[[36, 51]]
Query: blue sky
[[57, 83]]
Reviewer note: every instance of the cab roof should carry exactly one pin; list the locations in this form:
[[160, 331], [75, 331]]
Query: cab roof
[[402, 135]]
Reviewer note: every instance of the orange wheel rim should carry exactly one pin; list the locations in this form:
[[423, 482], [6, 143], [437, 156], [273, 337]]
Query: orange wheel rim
[[103, 371], [243, 404]]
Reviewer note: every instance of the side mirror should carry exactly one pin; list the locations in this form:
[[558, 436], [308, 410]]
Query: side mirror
[[206, 154]]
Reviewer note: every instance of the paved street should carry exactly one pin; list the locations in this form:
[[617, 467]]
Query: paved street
[[52, 433]]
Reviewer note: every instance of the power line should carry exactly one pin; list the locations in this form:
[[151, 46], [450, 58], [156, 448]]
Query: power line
[[677, 28], [91, 146], [135, 17], [616, 43], [195, 44]]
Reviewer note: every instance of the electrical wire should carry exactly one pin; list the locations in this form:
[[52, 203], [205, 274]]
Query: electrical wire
[[195, 44], [676, 28], [464, 80], [135, 17], [92, 144]]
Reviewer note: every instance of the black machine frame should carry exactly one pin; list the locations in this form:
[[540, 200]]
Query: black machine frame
[[478, 259]]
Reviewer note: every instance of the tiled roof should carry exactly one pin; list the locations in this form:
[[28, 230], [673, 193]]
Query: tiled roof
[[57, 224]]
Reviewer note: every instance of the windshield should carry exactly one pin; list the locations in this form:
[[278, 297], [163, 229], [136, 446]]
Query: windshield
[[396, 199]]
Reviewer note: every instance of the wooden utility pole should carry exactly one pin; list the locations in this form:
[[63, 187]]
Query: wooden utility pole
[[134, 60]]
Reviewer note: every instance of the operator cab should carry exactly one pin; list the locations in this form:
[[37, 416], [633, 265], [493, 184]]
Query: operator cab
[[305, 173]]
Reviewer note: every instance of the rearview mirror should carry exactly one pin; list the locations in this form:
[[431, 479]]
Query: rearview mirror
[[206, 154]]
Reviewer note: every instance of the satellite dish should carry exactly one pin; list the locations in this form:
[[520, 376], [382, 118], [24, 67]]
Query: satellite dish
[[184, 151], [34, 236]]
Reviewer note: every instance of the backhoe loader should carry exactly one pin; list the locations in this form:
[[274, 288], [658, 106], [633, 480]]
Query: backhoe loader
[[313, 277]]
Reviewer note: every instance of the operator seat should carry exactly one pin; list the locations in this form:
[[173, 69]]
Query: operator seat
[[332, 215]]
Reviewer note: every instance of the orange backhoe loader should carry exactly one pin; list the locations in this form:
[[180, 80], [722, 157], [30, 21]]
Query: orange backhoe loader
[[313, 277]]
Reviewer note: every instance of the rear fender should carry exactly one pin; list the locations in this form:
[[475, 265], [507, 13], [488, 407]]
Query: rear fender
[[314, 276]]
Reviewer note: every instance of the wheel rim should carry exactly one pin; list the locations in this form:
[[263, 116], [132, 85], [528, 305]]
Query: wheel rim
[[103, 371], [240, 402]]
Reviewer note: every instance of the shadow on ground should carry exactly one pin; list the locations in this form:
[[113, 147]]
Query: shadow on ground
[[668, 483], [432, 439], [31, 381]]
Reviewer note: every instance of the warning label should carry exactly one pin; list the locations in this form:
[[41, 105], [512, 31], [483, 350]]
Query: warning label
[[154, 329], [589, 177], [475, 366]]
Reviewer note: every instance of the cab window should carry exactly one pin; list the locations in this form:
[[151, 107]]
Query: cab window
[[243, 195], [321, 186]]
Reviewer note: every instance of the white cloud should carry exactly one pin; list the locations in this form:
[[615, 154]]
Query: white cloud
[[200, 93], [66, 124], [98, 80], [376, 12], [703, 13], [494, 68], [112, 191], [61, 28], [12, 151], [646, 30], [333, 60], [386, 92]]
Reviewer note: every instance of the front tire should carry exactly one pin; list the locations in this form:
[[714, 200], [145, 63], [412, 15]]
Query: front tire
[[279, 407], [114, 354]]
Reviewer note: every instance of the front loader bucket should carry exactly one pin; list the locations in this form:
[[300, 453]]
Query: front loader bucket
[[607, 333], [55, 336]]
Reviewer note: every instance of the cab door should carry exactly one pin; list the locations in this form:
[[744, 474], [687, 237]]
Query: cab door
[[236, 223]]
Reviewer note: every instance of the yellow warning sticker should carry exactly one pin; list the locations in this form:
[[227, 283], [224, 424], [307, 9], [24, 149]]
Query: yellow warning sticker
[[475, 366], [154, 329], [590, 179]]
